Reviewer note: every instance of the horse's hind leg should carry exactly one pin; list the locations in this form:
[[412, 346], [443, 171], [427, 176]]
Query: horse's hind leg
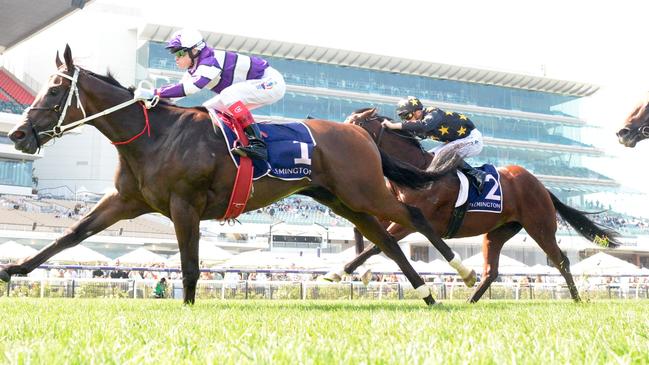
[[335, 275], [398, 232], [111, 209], [377, 201], [362, 255], [544, 235], [492, 244], [370, 227]]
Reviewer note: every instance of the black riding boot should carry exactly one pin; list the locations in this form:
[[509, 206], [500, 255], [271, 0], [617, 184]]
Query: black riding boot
[[477, 176], [256, 146]]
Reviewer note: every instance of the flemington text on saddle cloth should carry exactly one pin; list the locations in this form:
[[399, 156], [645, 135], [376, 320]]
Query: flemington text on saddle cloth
[[290, 148]]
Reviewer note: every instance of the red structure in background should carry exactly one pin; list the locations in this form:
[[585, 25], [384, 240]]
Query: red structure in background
[[14, 90]]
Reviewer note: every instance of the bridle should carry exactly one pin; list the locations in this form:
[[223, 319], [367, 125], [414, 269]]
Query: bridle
[[59, 129], [644, 130]]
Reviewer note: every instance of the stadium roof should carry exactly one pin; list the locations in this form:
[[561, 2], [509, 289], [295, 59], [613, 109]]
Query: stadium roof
[[157, 32], [22, 19]]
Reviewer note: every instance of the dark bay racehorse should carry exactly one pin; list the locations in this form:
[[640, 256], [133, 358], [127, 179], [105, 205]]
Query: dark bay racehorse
[[526, 204], [183, 170], [636, 126]]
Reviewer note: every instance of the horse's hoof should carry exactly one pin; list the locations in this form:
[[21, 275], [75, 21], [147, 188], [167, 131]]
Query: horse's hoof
[[470, 280], [366, 276], [430, 302], [331, 277], [4, 276]]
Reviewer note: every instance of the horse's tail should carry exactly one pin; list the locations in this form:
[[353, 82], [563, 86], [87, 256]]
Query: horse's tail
[[592, 231], [404, 174]]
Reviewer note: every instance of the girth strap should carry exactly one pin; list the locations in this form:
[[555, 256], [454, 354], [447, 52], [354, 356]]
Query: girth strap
[[243, 181], [456, 220]]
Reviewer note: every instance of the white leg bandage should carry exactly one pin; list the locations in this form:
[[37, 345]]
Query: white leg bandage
[[334, 276], [423, 291], [456, 263], [365, 273]]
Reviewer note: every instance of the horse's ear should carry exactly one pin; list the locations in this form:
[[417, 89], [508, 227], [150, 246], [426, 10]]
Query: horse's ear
[[367, 114], [67, 57], [58, 60]]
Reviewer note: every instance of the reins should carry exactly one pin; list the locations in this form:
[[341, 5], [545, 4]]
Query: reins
[[147, 128], [60, 128]]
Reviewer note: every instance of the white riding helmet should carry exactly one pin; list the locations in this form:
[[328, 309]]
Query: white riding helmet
[[185, 39]]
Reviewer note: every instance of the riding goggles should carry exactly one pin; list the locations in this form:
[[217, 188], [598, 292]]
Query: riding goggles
[[405, 116], [180, 53]]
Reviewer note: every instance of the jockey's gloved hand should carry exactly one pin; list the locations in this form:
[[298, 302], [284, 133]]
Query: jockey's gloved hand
[[143, 94], [388, 124]]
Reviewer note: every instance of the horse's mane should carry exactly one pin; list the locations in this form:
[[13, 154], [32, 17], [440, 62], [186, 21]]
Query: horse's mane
[[110, 79], [443, 162], [408, 136]]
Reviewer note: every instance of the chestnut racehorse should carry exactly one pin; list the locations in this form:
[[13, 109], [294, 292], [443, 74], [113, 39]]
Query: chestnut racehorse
[[526, 204]]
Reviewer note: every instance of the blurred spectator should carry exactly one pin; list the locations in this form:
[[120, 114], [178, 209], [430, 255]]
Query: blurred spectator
[[118, 274], [97, 273], [160, 288]]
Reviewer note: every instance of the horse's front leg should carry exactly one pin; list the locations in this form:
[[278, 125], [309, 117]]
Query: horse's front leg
[[112, 208], [336, 274], [398, 232], [359, 241], [186, 219]]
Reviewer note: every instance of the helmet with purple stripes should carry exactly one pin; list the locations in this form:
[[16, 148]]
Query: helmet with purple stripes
[[185, 39]]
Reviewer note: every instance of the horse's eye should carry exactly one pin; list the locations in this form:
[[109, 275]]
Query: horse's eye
[[53, 91]]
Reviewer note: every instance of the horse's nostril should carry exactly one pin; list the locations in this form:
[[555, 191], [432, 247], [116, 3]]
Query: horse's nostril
[[17, 136], [622, 132]]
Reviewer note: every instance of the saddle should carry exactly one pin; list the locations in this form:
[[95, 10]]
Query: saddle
[[290, 147], [469, 200]]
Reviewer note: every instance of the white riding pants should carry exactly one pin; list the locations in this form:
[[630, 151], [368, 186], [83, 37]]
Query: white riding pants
[[253, 93], [466, 147]]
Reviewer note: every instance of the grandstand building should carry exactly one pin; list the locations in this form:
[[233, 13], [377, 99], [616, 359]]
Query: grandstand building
[[526, 120], [15, 167]]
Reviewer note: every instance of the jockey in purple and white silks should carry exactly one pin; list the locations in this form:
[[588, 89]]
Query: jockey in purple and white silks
[[241, 82]]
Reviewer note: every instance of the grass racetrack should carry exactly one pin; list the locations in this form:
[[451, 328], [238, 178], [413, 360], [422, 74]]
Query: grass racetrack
[[98, 331]]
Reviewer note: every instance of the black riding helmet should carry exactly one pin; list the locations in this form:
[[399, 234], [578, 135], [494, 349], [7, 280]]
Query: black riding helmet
[[407, 107]]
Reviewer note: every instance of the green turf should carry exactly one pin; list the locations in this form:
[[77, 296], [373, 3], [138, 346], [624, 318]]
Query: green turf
[[97, 331]]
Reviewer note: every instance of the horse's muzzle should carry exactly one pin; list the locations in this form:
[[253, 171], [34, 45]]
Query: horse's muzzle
[[626, 137], [20, 137]]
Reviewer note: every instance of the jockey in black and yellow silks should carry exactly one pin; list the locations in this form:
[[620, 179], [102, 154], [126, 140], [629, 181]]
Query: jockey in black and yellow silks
[[454, 129]]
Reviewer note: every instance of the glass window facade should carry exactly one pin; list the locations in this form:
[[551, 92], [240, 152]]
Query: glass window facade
[[16, 173], [319, 105], [11, 107], [313, 74], [385, 83], [4, 139]]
